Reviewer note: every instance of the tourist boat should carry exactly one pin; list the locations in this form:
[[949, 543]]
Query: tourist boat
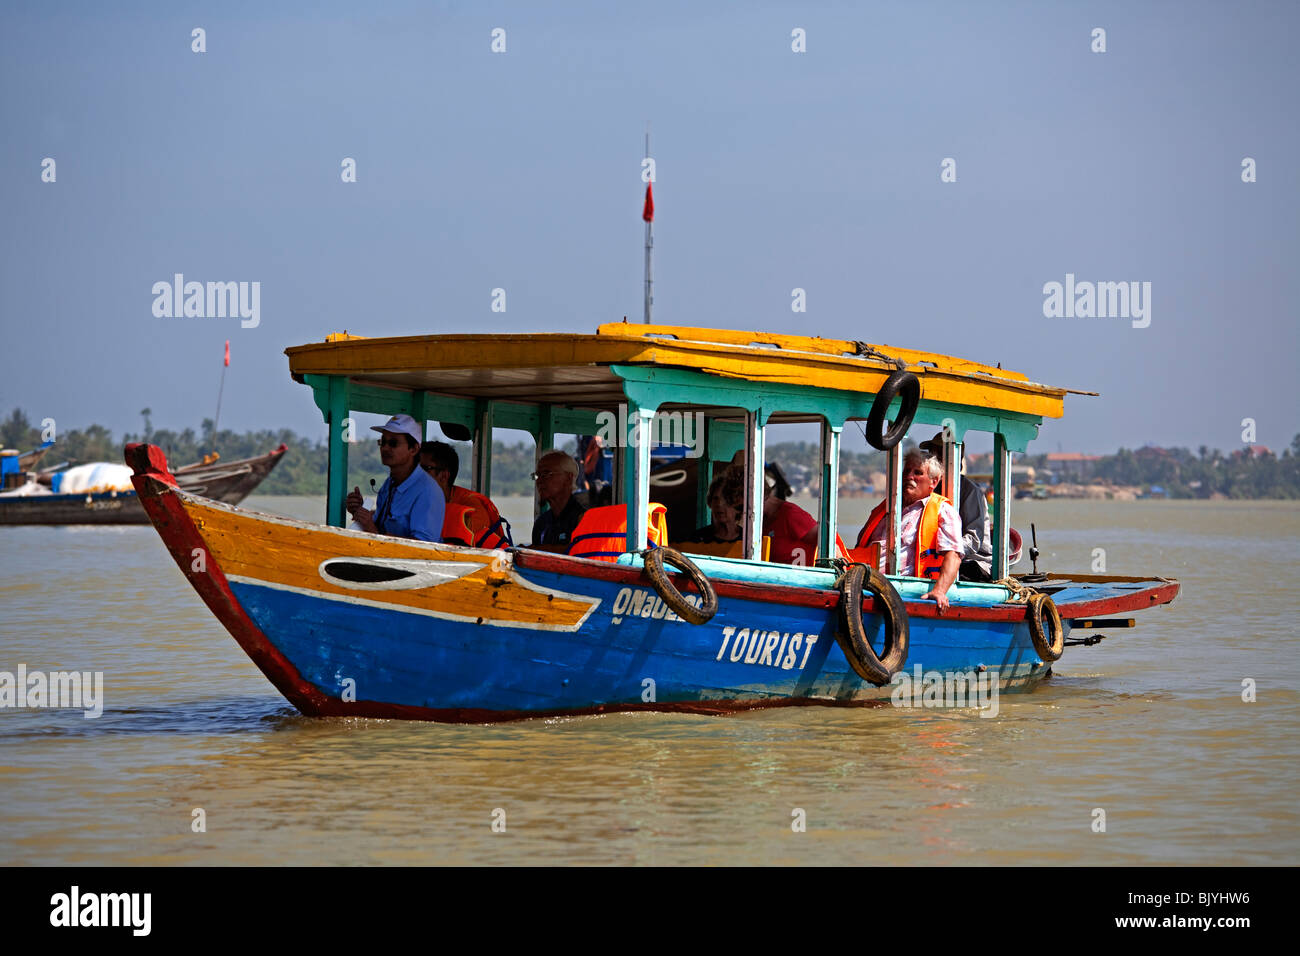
[[108, 498], [345, 623]]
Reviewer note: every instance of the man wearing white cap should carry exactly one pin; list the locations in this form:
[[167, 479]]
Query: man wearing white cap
[[410, 503]]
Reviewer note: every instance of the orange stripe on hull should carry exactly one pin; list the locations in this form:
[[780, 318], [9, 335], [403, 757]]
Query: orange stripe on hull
[[289, 554]]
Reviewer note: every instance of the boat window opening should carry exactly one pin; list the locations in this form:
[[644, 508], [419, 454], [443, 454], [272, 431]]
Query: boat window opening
[[694, 447], [790, 510], [862, 486], [513, 457]]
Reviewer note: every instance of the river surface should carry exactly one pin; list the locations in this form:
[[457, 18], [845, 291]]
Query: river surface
[[1150, 727]]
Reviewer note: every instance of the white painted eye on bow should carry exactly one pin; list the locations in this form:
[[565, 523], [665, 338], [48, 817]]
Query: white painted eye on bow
[[393, 574]]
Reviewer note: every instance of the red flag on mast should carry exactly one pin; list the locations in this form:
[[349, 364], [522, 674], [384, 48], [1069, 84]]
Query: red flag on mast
[[227, 351], [648, 214]]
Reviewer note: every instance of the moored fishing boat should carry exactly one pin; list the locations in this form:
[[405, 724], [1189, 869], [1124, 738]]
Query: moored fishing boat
[[104, 494], [348, 623]]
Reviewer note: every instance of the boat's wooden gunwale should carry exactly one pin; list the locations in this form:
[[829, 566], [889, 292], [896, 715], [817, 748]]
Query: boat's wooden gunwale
[[811, 597]]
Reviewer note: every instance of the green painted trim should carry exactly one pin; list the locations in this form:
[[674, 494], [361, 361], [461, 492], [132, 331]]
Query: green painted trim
[[320, 393], [725, 439], [830, 478], [576, 421], [481, 427], [525, 418], [1001, 507], [338, 420], [1019, 429], [756, 472], [638, 475], [704, 473], [446, 408], [651, 387], [545, 434], [894, 495]]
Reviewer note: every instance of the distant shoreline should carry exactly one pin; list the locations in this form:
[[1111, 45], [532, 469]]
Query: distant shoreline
[[1251, 472]]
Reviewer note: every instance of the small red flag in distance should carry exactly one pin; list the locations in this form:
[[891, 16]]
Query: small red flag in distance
[[648, 214], [227, 351]]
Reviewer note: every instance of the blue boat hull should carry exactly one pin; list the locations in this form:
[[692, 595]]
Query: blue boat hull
[[751, 652]]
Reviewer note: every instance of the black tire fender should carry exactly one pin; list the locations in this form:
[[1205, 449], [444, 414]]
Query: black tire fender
[[1043, 616], [655, 559], [910, 387], [851, 635]]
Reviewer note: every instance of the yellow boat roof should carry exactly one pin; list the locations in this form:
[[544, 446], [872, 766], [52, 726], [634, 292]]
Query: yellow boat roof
[[573, 369]]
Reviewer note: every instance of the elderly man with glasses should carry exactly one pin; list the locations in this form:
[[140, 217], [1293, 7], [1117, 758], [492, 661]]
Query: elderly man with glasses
[[410, 503], [555, 476], [930, 531], [976, 529]]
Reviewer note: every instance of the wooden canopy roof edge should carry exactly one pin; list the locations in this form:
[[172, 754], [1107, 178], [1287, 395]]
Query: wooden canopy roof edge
[[768, 342], [792, 359]]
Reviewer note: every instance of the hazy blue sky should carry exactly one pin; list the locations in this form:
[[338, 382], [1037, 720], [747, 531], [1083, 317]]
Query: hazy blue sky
[[776, 170]]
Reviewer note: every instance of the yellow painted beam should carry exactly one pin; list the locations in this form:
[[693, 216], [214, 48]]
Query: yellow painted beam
[[550, 359]]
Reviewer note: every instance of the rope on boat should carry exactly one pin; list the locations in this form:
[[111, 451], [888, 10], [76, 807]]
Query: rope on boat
[[1045, 626], [866, 351], [1088, 641], [1020, 592]]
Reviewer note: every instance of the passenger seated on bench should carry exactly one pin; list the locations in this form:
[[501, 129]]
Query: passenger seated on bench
[[469, 514], [931, 528], [409, 504], [792, 530], [976, 529], [726, 499], [555, 476]]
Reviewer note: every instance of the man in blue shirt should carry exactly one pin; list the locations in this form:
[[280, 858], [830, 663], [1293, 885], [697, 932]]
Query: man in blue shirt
[[410, 503]]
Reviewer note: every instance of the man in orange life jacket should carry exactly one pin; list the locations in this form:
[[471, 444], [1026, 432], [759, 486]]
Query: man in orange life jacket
[[487, 529], [977, 535], [931, 532]]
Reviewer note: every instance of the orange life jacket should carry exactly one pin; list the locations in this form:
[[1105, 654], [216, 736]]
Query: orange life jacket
[[472, 519], [602, 532], [926, 561], [455, 525]]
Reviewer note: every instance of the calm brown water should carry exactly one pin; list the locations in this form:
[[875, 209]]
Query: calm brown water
[[1149, 726]]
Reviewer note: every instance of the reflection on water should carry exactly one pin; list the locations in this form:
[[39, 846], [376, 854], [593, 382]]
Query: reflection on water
[[1149, 726]]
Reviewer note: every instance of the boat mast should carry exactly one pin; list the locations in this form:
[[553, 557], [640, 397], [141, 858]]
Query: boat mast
[[216, 419], [648, 214]]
